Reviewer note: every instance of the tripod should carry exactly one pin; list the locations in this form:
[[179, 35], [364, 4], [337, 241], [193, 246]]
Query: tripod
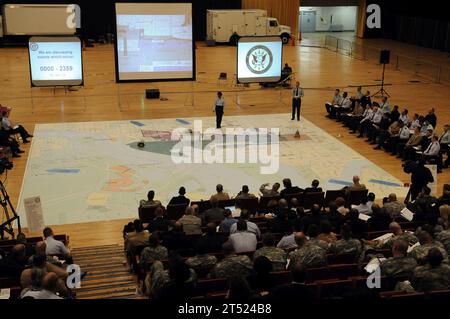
[[7, 225], [382, 92]]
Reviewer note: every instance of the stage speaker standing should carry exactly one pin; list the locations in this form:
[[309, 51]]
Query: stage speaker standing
[[297, 94], [218, 109]]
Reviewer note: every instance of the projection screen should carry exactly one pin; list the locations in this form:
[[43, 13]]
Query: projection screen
[[154, 42]]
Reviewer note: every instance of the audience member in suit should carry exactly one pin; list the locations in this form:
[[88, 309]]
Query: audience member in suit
[[407, 152], [366, 100], [379, 220], [220, 195], [211, 240], [270, 192], [431, 117], [423, 206], [314, 187], [226, 223], [289, 189], [176, 238], [215, 214], [297, 291], [192, 224], [159, 223], [180, 199]]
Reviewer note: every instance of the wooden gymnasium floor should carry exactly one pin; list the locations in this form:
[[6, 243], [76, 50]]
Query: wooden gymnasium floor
[[319, 70]]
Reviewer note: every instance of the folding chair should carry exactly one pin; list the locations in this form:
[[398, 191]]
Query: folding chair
[[333, 194]]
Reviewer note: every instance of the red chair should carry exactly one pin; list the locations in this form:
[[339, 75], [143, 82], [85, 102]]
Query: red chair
[[331, 195]]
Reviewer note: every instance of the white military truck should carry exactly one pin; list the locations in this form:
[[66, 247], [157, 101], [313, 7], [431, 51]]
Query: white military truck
[[230, 25]]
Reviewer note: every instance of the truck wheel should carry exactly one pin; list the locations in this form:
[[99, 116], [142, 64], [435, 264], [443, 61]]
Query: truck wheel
[[285, 38], [234, 39]]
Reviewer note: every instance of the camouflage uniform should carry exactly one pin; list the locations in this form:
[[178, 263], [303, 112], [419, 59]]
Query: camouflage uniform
[[398, 266], [343, 246], [321, 243], [232, 266], [158, 278], [427, 278], [153, 253], [409, 237], [201, 262], [309, 256], [444, 238], [420, 253], [276, 255]]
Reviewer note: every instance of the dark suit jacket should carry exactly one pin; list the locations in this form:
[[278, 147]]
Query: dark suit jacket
[[178, 200], [159, 224], [212, 243], [291, 190], [313, 190]]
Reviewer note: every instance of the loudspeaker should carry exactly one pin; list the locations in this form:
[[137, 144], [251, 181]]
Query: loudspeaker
[[385, 56], [152, 94]]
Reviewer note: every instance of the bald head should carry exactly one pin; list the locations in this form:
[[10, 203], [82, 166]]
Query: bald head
[[189, 210], [18, 251], [356, 179]]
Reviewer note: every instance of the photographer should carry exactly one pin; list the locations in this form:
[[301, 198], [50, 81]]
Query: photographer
[[420, 177]]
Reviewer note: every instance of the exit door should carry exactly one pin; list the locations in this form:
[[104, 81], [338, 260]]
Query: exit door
[[307, 21]]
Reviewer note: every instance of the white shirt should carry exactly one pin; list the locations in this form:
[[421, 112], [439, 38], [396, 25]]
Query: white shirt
[[364, 209], [368, 115], [377, 116], [55, 247], [346, 103], [251, 228], [445, 138], [220, 102], [337, 99], [40, 294], [385, 107], [404, 133], [404, 119], [433, 149], [297, 93], [243, 241]]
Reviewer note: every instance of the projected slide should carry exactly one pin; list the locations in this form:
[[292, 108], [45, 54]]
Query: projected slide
[[55, 61], [154, 41], [259, 59]]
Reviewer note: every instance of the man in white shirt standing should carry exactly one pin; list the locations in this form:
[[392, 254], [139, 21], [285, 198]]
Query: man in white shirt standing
[[297, 94], [218, 109]]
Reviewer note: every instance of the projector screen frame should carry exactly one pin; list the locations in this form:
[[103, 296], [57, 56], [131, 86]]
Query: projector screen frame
[[52, 82], [116, 50], [257, 39]]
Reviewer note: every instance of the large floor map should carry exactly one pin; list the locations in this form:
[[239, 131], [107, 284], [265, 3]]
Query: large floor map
[[94, 171]]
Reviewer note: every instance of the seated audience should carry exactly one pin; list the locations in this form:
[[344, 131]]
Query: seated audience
[[244, 193], [202, 261], [399, 264], [261, 280], [53, 246], [272, 192], [192, 224], [215, 214], [231, 265], [14, 129], [314, 187], [433, 275], [277, 256], [226, 223], [180, 199], [154, 251], [150, 202], [220, 195], [176, 239], [160, 223], [393, 207], [325, 232], [137, 238], [289, 189], [427, 242], [306, 254], [242, 240], [287, 242], [347, 244], [251, 227], [336, 101], [211, 240]]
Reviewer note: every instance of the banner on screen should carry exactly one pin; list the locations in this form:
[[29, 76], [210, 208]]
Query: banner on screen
[[154, 42], [259, 59], [55, 61]]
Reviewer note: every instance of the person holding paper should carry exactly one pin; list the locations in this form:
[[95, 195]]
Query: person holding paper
[[393, 207], [427, 242]]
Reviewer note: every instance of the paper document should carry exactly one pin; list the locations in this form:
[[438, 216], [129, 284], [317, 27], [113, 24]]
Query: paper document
[[407, 214]]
